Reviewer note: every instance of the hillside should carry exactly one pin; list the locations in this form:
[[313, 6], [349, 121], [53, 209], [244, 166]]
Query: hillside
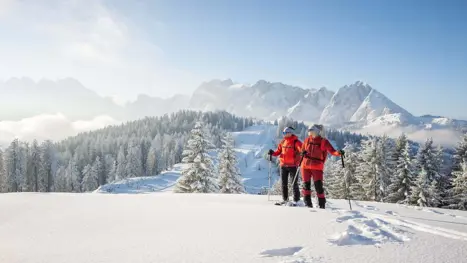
[[250, 146], [167, 227]]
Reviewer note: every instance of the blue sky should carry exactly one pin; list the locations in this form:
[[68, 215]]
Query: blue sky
[[415, 52]]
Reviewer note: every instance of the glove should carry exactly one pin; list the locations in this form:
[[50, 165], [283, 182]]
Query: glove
[[270, 152], [342, 152], [303, 153]]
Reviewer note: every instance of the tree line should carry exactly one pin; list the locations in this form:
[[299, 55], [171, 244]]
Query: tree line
[[84, 162]]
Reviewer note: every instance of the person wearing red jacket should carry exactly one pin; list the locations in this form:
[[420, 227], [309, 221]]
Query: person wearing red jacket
[[288, 150], [315, 150]]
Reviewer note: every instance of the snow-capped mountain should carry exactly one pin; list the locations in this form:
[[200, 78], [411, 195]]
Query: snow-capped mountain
[[345, 103], [311, 106], [353, 107], [376, 105], [263, 99]]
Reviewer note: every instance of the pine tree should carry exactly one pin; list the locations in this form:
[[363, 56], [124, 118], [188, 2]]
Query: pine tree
[[402, 183], [2, 173], [428, 162], [367, 170], [459, 190], [336, 180], [134, 164], [121, 165], [421, 190], [199, 175], [13, 167], [98, 169], [110, 168], [60, 180], [47, 167], [460, 154], [230, 180], [73, 175], [90, 178], [387, 164], [151, 162]]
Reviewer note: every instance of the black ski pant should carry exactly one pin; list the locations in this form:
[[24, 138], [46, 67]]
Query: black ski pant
[[286, 173]]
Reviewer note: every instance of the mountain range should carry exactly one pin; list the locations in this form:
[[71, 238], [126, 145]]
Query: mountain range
[[357, 106]]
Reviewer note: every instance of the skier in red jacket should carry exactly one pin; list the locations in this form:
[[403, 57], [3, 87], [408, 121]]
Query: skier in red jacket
[[288, 151], [315, 150]]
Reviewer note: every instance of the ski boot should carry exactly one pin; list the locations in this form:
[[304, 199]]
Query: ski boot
[[322, 202], [307, 200]]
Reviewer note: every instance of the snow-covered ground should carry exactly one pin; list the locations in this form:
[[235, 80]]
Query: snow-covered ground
[[250, 147], [158, 225], [169, 227]]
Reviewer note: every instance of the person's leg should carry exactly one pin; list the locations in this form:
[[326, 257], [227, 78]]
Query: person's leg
[[285, 183], [296, 190], [318, 182], [306, 178]]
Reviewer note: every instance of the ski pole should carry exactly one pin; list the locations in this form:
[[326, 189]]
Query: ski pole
[[346, 183], [269, 176], [298, 170]]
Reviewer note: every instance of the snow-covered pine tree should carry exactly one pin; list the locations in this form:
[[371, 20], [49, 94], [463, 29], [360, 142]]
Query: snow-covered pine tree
[[73, 175], [335, 183], [98, 169], [387, 164], [421, 190], [458, 192], [134, 165], [460, 154], [199, 175], [89, 178], [47, 167], [152, 162], [230, 180], [401, 186], [367, 170], [121, 165], [443, 181], [34, 165], [13, 170], [23, 160], [110, 168], [2, 173], [60, 181], [427, 161]]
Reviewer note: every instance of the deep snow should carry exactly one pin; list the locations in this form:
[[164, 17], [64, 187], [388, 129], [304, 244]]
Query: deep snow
[[157, 225], [169, 227]]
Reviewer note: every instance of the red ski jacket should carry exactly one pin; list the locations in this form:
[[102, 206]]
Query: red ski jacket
[[317, 149], [288, 151]]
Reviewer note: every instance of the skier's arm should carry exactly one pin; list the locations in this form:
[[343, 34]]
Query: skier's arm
[[298, 146], [278, 151], [330, 149]]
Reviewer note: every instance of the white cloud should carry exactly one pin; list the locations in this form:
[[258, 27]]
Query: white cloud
[[86, 40], [443, 137], [49, 126]]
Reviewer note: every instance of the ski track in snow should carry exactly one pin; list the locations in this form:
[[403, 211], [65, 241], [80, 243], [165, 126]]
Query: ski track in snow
[[363, 230], [368, 228]]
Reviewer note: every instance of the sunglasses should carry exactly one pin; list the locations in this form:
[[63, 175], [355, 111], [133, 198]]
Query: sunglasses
[[284, 133]]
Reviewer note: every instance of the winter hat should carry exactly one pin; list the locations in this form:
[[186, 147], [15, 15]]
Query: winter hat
[[316, 128], [288, 130]]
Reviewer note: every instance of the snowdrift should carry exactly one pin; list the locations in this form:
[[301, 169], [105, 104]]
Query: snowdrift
[[169, 227]]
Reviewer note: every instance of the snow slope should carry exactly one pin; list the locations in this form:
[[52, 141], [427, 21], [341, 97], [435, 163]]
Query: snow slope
[[250, 147], [169, 227]]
